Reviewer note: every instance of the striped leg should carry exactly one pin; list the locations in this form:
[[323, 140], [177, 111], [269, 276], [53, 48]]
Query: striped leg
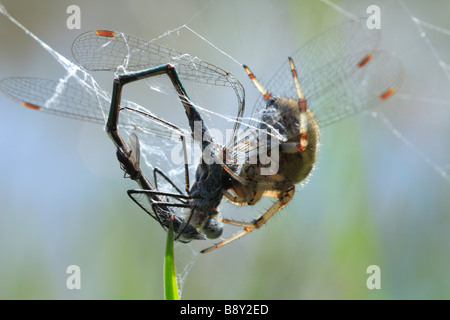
[[303, 118], [282, 201], [266, 94]]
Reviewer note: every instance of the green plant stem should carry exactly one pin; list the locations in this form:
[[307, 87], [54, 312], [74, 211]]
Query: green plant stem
[[170, 277]]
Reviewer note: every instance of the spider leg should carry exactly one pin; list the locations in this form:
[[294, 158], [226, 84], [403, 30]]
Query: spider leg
[[252, 191], [235, 199], [282, 201], [266, 94], [234, 175], [303, 118]]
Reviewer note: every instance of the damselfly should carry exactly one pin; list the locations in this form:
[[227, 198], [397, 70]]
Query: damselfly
[[338, 74]]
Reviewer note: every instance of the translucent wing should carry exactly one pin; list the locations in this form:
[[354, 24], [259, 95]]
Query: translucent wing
[[352, 92], [135, 148], [78, 101], [341, 73], [112, 51]]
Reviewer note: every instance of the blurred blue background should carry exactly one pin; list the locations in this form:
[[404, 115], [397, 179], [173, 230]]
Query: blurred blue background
[[374, 198]]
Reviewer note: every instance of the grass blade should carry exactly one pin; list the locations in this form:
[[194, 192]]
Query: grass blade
[[170, 277]]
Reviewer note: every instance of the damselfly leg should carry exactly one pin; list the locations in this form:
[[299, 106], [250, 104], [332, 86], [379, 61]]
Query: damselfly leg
[[131, 165]]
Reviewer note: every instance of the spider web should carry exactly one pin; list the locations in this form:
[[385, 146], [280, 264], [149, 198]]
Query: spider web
[[441, 168], [186, 258]]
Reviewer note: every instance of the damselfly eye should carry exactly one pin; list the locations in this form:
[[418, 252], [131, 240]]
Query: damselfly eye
[[212, 228]]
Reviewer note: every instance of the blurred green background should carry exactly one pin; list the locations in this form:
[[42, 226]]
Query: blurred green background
[[372, 200]]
